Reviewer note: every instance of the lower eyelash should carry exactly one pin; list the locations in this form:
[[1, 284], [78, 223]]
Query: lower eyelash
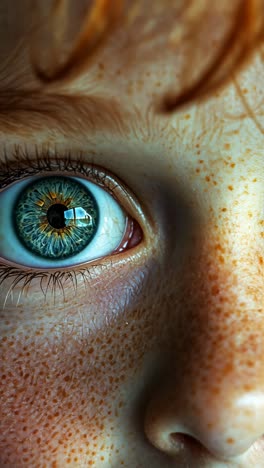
[[54, 281]]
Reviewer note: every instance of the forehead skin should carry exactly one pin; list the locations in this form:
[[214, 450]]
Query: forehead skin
[[168, 337]]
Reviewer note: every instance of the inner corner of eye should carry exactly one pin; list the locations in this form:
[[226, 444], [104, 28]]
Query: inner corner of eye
[[133, 235]]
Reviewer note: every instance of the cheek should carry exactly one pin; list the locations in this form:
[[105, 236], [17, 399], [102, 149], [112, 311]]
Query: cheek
[[63, 385], [55, 393]]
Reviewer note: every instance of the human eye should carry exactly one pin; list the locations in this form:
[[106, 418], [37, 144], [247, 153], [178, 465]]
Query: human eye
[[60, 214]]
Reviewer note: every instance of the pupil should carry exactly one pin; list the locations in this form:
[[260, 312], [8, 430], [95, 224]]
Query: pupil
[[55, 215]]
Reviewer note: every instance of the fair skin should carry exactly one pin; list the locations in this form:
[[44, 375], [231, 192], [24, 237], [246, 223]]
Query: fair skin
[[166, 337]]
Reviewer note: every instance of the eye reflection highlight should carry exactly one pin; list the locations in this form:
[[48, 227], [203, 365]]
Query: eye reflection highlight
[[77, 216]]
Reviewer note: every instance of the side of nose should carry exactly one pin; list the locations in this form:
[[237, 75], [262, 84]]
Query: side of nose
[[214, 391]]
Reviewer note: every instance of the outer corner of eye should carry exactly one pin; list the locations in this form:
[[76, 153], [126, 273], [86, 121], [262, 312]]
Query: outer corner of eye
[[62, 221]]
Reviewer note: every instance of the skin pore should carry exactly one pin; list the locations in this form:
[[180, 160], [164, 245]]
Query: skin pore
[[157, 358]]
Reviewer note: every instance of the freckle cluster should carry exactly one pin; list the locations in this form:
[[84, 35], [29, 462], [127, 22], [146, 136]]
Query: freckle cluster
[[74, 410], [71, 399], [76, 391]]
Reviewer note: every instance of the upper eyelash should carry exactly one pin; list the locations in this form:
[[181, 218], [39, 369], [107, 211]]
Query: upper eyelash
[[23, 164]]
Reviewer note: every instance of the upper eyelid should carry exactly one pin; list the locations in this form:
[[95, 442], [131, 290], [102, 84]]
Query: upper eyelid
[[20, 164], [80, 165]]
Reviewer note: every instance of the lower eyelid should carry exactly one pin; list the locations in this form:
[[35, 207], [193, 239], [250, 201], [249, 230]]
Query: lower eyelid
[[54, 287]]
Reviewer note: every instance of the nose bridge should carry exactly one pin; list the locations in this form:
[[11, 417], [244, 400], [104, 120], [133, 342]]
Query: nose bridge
[[225, 309], [225, 303]]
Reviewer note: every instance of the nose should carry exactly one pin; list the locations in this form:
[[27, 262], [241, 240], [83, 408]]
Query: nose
[[225, 426], [213, 392]]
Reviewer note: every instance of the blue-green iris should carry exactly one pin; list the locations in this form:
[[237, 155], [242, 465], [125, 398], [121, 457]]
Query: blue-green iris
[[55, 217]]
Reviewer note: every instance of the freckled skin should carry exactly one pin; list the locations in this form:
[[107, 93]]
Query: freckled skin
[[169, 340]]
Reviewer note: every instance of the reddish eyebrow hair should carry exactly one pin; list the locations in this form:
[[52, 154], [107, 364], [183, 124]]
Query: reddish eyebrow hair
[[23, 113], [243, 36]]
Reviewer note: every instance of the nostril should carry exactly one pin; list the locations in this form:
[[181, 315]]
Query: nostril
[[180, 441]]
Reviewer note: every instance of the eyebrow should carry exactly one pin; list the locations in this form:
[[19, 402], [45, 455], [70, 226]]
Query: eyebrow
[[24, 113]]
